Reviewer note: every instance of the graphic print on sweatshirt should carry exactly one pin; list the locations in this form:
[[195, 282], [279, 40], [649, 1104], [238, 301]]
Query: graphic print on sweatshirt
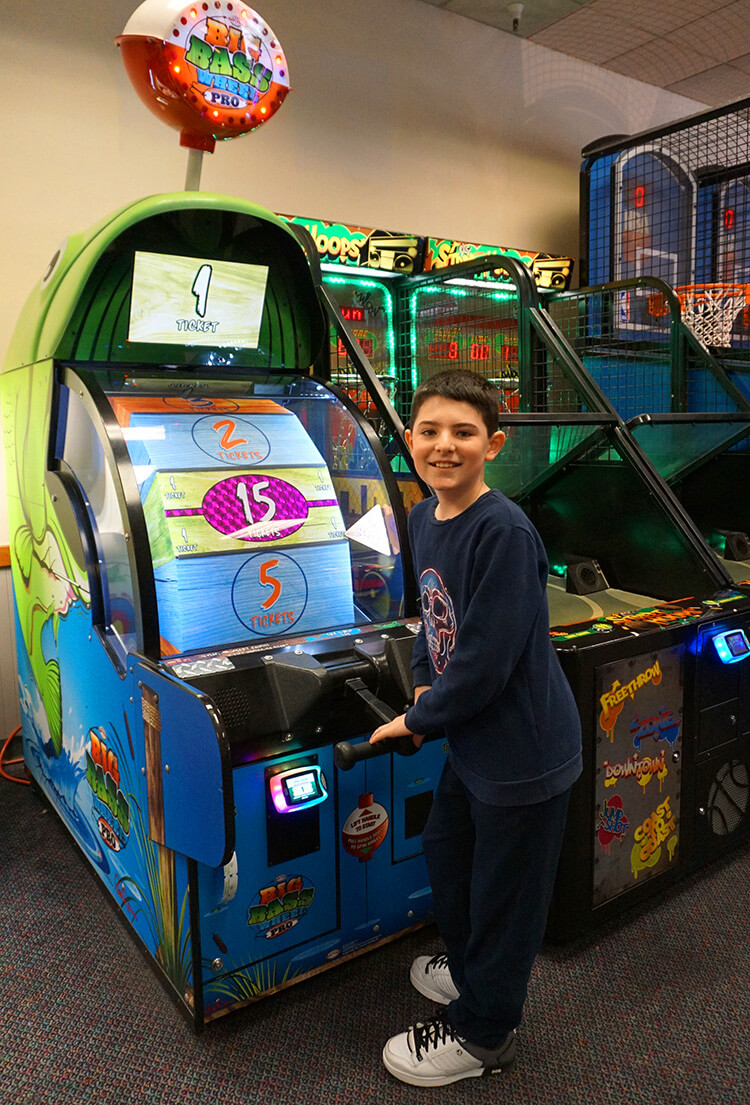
[[438, 618]]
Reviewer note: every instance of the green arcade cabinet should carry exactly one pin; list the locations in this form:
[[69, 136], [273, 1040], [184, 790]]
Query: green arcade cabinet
[[202, 651], [197, 648]]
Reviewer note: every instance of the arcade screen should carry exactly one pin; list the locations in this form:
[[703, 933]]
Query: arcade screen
[[194, 301], [199, 288], [267, 511]]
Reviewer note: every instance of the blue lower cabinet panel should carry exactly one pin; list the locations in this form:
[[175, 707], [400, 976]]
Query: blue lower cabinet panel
[[281, 897], [314, 884], [415, 780], [383, 805]]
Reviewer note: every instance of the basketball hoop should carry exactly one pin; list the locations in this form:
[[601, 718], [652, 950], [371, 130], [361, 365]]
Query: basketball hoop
[[710, 309]]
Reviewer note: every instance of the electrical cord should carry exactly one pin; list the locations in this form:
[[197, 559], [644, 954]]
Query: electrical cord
[[19, 760]]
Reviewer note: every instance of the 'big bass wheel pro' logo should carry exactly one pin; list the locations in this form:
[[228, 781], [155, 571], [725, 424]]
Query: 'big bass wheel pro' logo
[[227, 63], [280, 906], [212, 70]]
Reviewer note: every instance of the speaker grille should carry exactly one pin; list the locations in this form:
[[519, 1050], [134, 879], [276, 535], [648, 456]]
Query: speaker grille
[[233, 704], [728, 798]]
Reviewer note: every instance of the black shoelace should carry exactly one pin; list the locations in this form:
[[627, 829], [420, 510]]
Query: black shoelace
[[436, 961], [431, 1034]]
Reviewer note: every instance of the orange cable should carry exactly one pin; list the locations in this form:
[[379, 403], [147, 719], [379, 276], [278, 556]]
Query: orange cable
[[3, 750]]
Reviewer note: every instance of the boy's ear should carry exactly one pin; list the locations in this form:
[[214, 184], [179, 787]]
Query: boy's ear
[[407, 436], [496, 443]]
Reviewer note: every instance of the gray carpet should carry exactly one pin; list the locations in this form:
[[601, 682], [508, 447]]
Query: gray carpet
[[654, 1011]]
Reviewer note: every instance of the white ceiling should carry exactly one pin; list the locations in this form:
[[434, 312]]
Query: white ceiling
[[696, 48]]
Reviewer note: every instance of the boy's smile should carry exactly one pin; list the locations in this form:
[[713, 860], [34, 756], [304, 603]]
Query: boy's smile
[[450, 446]]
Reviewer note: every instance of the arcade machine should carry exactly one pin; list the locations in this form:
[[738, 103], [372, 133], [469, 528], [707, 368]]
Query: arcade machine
[[666, 242], [487, 339], [671, 204], [200, 662], [364, 274], [360, 269], [651, 634]]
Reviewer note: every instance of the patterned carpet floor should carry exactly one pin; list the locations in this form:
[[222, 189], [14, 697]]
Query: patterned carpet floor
[[654, 1011]]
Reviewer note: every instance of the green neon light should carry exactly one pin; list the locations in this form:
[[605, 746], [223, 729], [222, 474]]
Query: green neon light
[[356, 280], [360, 282], [718, 542], [413, 339]]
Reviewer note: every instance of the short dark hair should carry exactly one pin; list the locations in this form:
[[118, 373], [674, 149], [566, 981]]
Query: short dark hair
[[464, 387]]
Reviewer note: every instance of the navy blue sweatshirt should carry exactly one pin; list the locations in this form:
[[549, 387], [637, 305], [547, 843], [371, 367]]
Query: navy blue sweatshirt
[[496, 686]]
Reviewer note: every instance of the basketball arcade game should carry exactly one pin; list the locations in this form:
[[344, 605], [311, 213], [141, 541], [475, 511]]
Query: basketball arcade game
[[200, 648], [687, 414], [672, 203], [364, 276], [643, 614], [359, 270]]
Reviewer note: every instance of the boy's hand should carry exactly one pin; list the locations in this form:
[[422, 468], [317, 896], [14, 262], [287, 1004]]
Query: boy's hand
[[391, 729], [395, 728]]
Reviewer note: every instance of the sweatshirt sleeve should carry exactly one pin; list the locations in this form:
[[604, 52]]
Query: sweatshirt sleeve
[[420, 665], [506, 594]]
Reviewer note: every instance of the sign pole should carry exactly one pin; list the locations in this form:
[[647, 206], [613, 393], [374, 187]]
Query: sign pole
[[193, 171]]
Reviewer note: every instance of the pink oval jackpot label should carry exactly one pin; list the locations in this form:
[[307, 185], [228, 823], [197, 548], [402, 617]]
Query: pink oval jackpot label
[[254, 508]]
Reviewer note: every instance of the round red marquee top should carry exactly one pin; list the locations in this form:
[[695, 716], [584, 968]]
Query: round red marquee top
[[212, 70]]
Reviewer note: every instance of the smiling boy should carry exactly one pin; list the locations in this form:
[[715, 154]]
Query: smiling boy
[[485, 674]]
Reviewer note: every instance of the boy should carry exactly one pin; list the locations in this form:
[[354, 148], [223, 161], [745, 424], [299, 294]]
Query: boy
[[486, 675]]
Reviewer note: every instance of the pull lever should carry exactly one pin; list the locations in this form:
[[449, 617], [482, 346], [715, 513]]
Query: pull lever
[[346, 755]]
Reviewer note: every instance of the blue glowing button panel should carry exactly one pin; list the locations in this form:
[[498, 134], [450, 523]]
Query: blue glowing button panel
[[732, 646], [298, 788]]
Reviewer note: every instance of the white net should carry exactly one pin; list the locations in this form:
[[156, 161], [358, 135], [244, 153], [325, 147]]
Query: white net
[[710, 310]]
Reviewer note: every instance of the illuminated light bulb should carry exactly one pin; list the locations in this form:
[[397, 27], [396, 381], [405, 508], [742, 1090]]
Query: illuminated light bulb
[[263, 111], [216, 114], [193, 13], [176, 68]]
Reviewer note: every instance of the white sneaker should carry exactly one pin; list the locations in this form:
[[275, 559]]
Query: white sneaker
[[432, 977], [432, 1054]]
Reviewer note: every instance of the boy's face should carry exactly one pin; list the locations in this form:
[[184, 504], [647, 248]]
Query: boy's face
[[450, 446]]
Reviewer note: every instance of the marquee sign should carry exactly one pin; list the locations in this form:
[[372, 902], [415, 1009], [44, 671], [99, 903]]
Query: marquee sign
[[210, 70]]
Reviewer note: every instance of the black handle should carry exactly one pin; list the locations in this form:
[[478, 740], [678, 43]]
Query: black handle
[[346, 754], [381, 710]]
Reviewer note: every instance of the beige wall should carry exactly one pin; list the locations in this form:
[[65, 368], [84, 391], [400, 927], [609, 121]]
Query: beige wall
[[402, 116]]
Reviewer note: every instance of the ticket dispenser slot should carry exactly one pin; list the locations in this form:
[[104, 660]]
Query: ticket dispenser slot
[[732, 646], [297, 789], [295, 794]]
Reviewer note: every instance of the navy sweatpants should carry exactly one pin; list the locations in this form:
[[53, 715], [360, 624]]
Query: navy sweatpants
[[492, 871]]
